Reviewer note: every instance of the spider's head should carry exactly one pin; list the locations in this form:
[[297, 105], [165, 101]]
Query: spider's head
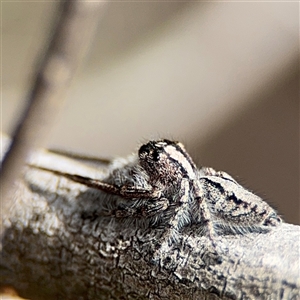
[[166, 160]]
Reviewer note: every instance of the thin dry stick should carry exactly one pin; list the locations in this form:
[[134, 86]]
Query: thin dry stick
[[73, 33]]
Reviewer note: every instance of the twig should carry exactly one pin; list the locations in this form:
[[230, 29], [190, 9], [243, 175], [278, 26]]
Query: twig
[[73, 33]]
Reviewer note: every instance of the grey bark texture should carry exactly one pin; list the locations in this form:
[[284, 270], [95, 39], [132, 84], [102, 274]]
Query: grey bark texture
[[55, 246]]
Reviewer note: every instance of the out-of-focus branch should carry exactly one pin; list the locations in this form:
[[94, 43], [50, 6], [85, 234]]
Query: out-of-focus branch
[[72, 35]]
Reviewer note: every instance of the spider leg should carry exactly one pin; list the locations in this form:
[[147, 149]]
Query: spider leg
[[179, 219], [204, 218], [146, 210], [124, 191]]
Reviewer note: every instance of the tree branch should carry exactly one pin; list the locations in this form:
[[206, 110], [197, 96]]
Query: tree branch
[[55, 245], [73, 34]]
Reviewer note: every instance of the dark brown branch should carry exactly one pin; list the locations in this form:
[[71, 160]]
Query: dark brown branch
[[71, 38]]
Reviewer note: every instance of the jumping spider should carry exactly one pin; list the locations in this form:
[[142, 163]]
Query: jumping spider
[[164, 185]]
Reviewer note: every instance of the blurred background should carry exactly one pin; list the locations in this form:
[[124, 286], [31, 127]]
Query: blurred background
[[222, 77]]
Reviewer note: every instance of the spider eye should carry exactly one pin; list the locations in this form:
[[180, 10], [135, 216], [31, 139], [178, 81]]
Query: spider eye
[[144, 150], [149, 151], [155, 155]]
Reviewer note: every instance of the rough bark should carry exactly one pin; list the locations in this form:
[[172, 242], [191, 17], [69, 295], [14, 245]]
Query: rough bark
[[55, 246]]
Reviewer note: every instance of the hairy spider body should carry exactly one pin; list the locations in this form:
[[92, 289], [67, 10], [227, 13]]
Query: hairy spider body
[[163, 185]]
